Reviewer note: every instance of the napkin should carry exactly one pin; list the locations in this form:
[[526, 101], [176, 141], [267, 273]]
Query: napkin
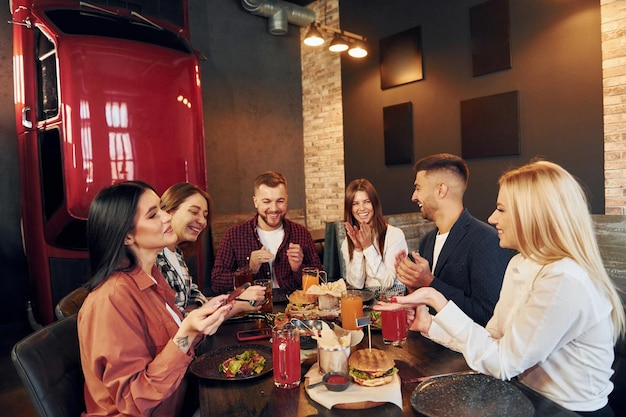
[[355, 393], [335, 288]]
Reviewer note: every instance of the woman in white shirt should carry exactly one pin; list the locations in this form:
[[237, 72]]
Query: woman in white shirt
[[371, 245], [190, 208], [559, 314]]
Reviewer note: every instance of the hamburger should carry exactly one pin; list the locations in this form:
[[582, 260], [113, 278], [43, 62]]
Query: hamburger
[[302, 306], [371, 367]]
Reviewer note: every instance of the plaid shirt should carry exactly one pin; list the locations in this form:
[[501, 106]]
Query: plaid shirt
[[239, 241], [187, 291]]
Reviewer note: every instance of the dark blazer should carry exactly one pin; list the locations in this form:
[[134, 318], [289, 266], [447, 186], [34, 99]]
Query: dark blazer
[[470, 267]]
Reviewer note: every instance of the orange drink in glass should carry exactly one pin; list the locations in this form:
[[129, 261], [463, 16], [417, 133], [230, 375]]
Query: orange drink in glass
[[310, 276], [351, 309]]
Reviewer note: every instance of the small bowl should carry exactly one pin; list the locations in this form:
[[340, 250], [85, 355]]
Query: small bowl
[[337, 381], [334, 381]]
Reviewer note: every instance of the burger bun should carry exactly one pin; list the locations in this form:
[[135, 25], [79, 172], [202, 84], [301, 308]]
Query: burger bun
[[371, 367]]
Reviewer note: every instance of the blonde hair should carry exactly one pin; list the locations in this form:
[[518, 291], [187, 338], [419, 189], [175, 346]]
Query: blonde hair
[[552, 221]]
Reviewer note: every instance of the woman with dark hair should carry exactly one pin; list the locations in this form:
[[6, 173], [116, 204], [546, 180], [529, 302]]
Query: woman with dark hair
[[190, 208], [369, 251], [135, 345]]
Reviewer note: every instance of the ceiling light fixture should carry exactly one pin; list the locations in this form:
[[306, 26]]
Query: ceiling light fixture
[[357, 50], [313, 36], [342, 40], [338, 44]]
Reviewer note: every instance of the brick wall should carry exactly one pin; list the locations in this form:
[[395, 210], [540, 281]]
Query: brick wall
[[613, 15], [324, 174]]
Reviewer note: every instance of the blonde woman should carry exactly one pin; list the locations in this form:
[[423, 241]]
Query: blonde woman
[[559, 314]]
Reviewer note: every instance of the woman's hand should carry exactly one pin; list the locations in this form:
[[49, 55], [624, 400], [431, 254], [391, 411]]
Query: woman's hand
[[352, 231], [421, 319], [425, 295], [253, 293], [216, 302], [203, 320], [417, 318], [360, 236]]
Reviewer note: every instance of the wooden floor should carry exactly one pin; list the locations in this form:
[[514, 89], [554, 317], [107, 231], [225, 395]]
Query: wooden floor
[[13, 398]]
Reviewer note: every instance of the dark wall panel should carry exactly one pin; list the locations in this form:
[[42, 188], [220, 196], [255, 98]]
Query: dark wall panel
[[556, 67]]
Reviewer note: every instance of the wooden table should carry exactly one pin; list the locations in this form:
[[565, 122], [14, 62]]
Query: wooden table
[[259, 397]]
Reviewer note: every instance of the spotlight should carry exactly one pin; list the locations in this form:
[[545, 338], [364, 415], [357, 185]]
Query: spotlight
[[357, 50], [313, 37], [338, 44]]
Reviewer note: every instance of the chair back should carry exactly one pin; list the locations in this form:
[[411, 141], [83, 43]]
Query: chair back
[[48, 363], [71, 303]]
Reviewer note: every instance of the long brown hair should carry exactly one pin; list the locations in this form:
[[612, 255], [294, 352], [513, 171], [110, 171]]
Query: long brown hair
[[174, 196], [379, 225]]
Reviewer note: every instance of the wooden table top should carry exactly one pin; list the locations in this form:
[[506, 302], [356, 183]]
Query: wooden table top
[[259, 397]]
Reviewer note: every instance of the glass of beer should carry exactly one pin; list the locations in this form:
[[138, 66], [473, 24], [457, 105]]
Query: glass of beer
[[241, 276], [351, 309], [268, 307], [311, 276]]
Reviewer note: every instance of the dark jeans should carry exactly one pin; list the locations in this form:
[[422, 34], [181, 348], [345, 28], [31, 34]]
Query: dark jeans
[[605, 411]]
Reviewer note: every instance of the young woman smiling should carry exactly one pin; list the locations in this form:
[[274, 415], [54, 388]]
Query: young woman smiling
[[371, 245], [190, 208]]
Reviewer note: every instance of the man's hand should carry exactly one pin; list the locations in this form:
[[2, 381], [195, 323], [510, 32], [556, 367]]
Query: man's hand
[[295, 256], [413, 275], [258, 258]]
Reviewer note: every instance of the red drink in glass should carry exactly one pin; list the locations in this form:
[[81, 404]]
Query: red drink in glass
[[286, 357], [394, 327]]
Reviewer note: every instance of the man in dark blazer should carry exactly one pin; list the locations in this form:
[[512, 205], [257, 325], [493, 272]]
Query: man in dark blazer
[[461, 257]]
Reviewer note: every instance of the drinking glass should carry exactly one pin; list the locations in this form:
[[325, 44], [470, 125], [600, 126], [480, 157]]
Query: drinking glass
[[241, 276], [268, 307], [312, 276], [286, 356], [393, 322], [351, 309]]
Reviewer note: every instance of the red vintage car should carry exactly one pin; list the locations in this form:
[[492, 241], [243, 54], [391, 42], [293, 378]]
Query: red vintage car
[[102, 94]]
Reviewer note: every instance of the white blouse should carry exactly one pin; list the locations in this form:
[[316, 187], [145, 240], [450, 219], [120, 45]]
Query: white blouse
[[368, 268], [551, 326]]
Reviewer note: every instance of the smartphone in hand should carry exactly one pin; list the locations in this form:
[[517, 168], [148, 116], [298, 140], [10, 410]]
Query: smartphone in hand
[[237, 292], [410, 256]]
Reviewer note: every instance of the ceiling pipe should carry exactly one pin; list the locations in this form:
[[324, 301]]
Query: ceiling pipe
[[280, 13]]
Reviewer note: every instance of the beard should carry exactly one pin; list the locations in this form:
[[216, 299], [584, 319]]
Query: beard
[[267, 221]]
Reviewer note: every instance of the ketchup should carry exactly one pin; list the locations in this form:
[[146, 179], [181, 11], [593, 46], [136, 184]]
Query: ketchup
[[337, 379]]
